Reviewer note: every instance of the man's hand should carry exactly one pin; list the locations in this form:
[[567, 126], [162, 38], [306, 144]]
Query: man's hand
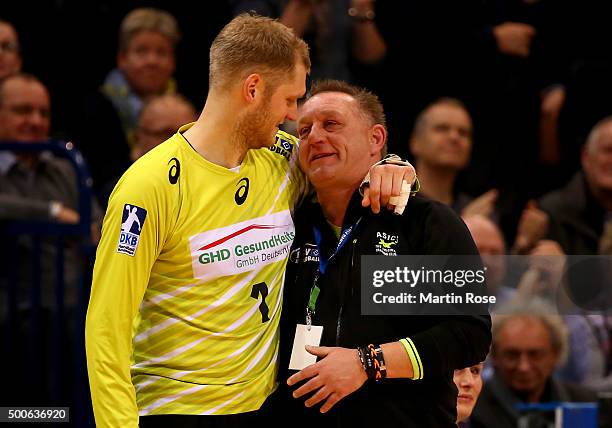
[[67, 215], [514, 38], [532, 227], [550, 109], [337, 375], [482, 205], [386, 181]]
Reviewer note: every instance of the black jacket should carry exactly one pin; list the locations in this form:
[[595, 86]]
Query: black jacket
[[443, 343], [496, 406], [576, 218]]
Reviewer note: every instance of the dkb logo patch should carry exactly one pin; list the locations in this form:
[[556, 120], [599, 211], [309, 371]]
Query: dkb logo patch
[[132, 223]]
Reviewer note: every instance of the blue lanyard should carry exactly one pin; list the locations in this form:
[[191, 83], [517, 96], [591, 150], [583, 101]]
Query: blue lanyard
[[323, 264]]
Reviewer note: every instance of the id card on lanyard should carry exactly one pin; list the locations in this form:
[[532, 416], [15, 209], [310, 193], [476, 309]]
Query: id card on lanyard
[[311, 334], [323, 264]]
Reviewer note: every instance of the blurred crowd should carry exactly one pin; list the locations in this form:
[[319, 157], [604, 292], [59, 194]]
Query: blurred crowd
[[503, 106]]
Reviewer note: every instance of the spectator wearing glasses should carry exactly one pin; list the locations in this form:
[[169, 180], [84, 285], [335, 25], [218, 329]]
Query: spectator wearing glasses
[[10, 55]]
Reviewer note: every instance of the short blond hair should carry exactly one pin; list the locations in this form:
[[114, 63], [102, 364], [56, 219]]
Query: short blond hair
[[148, 19], [255, 44]]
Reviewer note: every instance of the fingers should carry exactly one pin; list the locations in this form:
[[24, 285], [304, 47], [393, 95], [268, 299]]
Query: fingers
[[312, 385], [365, 202], [491, 195], [531, 205], [398, 178], [306, 373], [482, 205], [320, 395], [375, 193], [409, 174], [529, 30], [386, 187], [331, 401], [319, 351]]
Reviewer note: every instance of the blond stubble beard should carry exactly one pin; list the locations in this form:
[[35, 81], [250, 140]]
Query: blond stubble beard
[[251, 129]]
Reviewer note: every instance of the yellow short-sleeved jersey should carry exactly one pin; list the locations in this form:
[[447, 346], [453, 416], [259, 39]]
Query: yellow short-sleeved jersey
[[187, 285]]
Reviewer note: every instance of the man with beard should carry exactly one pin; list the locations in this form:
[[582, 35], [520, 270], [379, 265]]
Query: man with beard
[[195, 243]]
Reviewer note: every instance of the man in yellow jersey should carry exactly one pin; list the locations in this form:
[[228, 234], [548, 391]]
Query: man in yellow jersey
[[186, 296]]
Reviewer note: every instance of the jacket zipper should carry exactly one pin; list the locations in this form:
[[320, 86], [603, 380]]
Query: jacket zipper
[[339, 321]]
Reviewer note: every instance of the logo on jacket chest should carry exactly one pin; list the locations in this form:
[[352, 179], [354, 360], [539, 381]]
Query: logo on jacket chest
[[307, 253], [386, 243]]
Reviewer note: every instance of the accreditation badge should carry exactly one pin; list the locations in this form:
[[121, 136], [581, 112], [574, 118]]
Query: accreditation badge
[[304, 335]]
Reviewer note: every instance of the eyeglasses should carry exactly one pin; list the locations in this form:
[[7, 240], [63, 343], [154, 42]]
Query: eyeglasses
[[9, 47]]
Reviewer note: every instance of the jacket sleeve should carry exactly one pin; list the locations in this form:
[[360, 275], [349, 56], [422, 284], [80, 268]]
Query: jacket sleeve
[[17, 207], [119, 284], [458, 341]]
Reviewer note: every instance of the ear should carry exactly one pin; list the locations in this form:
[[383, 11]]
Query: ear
[[378, 138], [252, 88]]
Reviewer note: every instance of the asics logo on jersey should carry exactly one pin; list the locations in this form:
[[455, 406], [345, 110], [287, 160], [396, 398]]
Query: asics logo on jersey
[[175, 170], [242, 192]]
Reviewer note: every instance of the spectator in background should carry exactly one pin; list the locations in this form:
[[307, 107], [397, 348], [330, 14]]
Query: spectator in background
[[469, 384], [581, 211], [528, 343], [340, 33], [492, 247], [441, 144], [34, 187], [10, 55], [145, 64], [159, 119]]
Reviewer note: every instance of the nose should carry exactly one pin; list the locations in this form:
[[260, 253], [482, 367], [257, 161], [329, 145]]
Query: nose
[[523, 363], [316, 134], [292, 112], [465, 378], [455, 135], [37, 118]]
